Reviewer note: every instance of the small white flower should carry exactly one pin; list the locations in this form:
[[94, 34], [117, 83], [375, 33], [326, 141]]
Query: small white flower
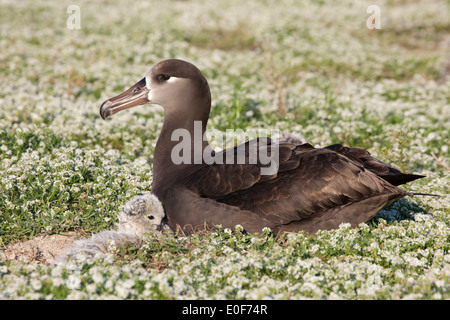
[[98, 277], [73, 282], [266, 230], [36, 284]]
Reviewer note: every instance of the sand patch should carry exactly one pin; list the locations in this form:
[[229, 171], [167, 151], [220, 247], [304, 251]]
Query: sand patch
[[40, 249]]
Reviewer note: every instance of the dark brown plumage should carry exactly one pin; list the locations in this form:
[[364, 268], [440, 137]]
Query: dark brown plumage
[[312, 189]]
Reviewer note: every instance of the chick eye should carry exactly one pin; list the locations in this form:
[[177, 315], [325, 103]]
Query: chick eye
[[164, 77], [151, 217]]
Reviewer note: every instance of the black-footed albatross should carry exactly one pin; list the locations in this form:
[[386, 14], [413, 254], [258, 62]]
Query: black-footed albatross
[[310, 188]]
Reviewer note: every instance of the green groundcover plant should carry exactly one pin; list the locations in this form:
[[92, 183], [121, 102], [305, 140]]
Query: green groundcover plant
[[311, 67]]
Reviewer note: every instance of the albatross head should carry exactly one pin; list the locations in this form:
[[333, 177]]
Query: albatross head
[[174, 84]]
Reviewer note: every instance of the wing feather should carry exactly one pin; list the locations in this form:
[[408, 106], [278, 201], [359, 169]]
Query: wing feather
[[322, 181], [244, 171]]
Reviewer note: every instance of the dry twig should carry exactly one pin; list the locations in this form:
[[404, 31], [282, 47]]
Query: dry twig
[[440, 162]]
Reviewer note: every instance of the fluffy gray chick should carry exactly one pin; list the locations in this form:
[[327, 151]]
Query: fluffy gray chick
[[140, 215], [143, 213]]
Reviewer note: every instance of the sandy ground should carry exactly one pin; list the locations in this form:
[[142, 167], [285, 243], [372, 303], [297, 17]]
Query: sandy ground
[[40, 249]]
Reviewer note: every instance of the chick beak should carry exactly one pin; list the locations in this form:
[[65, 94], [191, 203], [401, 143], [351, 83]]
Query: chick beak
[[134, 96]]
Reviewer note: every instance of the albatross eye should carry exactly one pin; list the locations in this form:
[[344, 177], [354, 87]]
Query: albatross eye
[[151, 217], [164, 77]]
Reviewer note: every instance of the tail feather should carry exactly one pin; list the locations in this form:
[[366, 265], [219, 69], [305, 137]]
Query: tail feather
[[391, 175], [426, 194], [400, 178]]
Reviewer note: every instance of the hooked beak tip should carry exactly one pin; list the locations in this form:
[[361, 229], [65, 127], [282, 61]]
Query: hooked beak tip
[[105, 112]]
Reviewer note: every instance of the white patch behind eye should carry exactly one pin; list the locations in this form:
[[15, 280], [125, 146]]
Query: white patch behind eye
[[148, 84], [172, 79]]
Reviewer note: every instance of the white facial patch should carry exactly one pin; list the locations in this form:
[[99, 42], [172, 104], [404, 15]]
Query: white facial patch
[[148, 80], [148, 84], [172, 79], [159, 90]]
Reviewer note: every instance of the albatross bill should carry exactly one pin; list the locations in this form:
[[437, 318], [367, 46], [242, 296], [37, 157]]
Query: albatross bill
[[134, 96]]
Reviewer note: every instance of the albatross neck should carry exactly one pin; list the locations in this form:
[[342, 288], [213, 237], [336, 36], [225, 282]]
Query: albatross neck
[[192, 126]]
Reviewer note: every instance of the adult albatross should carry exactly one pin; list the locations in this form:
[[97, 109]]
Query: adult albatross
[[309, 189]]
